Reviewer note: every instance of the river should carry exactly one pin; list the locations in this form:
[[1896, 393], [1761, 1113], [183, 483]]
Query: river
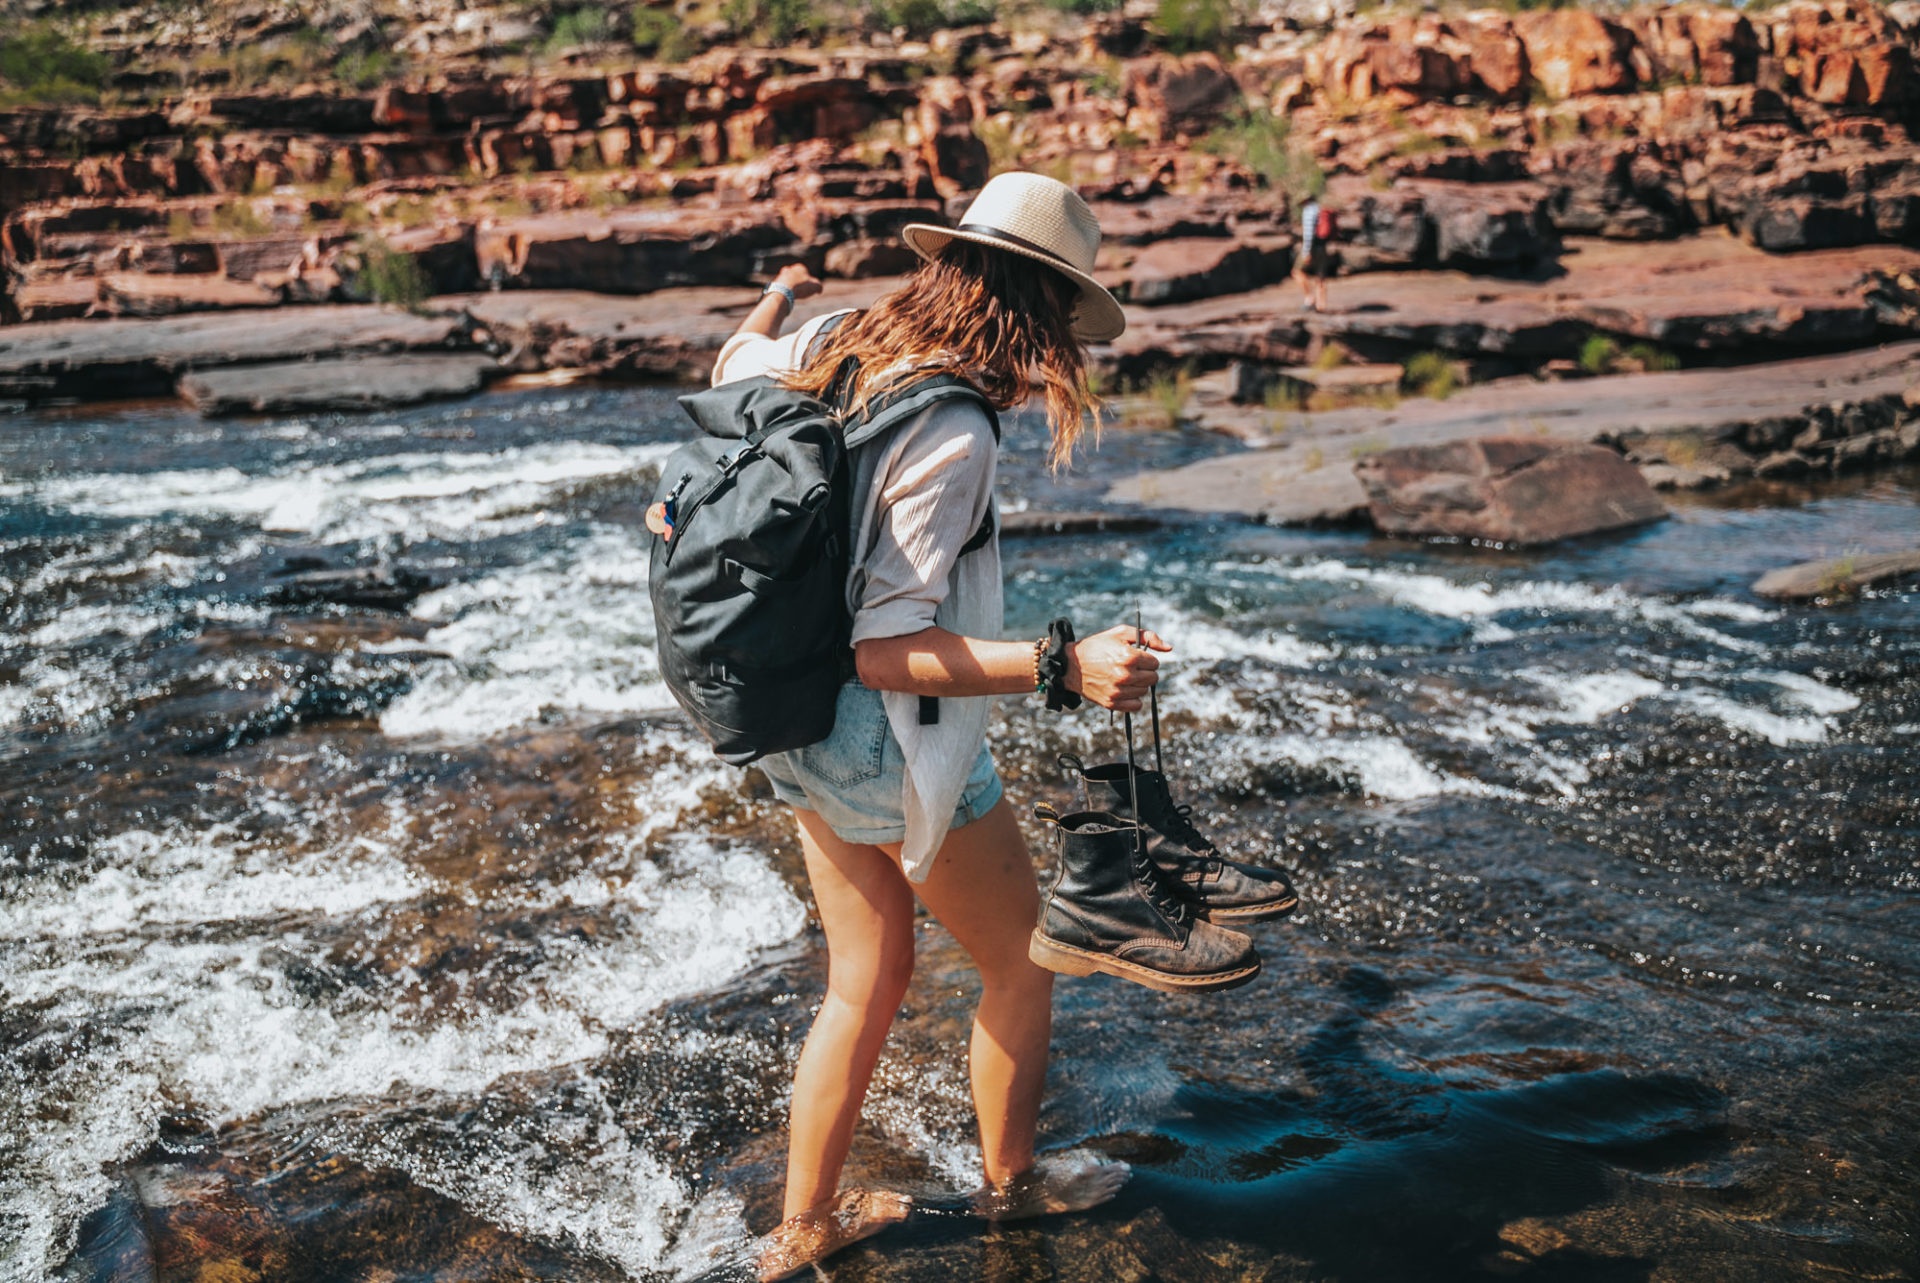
[[344, 942]]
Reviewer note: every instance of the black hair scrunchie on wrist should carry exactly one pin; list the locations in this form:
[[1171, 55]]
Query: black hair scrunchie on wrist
[[1053, 666]]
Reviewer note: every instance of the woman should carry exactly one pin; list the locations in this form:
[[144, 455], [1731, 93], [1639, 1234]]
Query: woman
[[890, 806]]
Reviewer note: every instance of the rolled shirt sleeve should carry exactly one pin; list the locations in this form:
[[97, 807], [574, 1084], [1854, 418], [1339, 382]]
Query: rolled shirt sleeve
[[745, 355], [932, 494]]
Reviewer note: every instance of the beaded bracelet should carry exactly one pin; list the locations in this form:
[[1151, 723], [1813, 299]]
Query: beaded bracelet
[[1039, 653]]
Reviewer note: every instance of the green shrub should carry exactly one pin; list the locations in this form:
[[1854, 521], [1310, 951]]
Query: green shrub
[[1193, 26], [772, 22], [1261, 141], [1599, 354], [1003, 152], [391, 276], [1084, 6], [588, 26], [38, 64], [658, 32], [1651, 358], [1430, 374], [240, 219], [921, 18], [1170, 393], [368, 68]]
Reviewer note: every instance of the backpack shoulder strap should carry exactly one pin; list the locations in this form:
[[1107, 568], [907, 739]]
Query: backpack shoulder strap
[[897, 407]]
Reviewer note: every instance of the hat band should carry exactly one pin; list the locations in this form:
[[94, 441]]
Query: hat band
[[994, 233]]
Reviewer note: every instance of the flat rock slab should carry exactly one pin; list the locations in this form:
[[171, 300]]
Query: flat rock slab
[[1512, 491], [96, 360], [352, 383], [672, 333], [1347, 378], [1303, 473], [169, 294], [1837, 576], [1700, 293]]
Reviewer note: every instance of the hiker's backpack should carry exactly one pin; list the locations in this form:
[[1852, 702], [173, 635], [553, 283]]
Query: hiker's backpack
[[749, 593], [1323, 225]]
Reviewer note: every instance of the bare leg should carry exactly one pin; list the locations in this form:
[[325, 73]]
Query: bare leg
[[982, 889], [866, 911]]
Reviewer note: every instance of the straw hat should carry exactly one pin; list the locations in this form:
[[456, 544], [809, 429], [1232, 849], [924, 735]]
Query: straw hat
[[1043, 219]]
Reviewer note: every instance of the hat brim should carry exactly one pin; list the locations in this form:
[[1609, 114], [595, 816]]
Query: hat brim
[[1097, 317]]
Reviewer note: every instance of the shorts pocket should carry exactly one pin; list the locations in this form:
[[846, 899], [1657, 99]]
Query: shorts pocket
[[852, 754]]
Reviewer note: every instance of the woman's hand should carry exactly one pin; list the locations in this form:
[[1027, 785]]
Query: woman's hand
[[1112, 670], [797, 278]]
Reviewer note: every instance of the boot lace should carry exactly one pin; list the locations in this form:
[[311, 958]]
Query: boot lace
[[1159, 894], [1180, 829]]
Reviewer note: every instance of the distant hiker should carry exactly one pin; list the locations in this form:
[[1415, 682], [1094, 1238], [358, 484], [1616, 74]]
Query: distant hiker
[[1314, 263]]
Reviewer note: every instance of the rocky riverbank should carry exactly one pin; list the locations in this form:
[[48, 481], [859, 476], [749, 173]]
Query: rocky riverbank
[[1466, 140], [1539, 197]]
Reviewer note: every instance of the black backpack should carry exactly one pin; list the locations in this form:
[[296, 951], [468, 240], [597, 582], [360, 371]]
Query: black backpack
[[749, 595]]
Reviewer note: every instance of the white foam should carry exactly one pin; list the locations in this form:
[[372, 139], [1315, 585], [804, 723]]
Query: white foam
[[1379, 765], [1587, 697], [569, 633], [182, 876], [219, 1021], [420, 495], [1436, 595], [1768, 725], [1815, 696]]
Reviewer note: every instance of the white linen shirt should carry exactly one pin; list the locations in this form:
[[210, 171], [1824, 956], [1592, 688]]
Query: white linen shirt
[[922, 490]]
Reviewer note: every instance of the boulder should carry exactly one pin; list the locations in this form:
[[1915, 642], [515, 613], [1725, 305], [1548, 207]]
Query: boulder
[[1836, 577], [1178, 96], [1436, 222], [1574, 51], [363, 383], [956, 160], [863, 258], [1175, 271], [628, 251], [1505, 490]]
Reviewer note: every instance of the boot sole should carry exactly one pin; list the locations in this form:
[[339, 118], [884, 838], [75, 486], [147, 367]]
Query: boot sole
[[1253, 913], [1064, 959]]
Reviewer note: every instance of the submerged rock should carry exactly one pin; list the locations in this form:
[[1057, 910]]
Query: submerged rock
[[304, 581], [1507, 490], [1837, 576]]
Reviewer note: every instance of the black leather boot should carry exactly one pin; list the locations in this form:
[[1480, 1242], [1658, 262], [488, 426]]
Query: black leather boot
[[1220, 889], [1112, 910]]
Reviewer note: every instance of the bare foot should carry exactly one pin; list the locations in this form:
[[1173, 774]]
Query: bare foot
[[1070, 1181], [819, 1232]]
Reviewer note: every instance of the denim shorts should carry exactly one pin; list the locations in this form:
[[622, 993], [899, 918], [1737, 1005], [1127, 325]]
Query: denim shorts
[[855, 778]]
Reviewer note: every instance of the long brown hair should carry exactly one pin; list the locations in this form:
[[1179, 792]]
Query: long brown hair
[[989, 316]]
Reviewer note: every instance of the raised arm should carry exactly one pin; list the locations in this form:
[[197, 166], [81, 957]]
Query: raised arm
[[771, 312]]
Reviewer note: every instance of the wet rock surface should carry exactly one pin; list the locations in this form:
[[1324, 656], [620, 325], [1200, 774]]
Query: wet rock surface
[[359, 383], [1727, 419], [94, 360]]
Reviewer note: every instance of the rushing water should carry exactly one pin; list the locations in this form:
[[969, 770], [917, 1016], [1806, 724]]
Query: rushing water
[[345, 942]]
